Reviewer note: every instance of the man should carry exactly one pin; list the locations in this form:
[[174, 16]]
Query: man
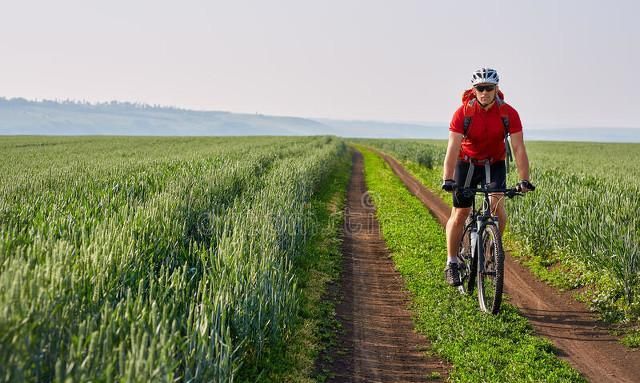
[[477, 148]]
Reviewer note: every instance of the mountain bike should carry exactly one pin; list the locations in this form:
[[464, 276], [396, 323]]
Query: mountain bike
[[480, 254]]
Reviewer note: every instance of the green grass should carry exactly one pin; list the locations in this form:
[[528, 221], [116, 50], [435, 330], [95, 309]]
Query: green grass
[[155, 259], [482, 348], [319, 267], [632, 339]]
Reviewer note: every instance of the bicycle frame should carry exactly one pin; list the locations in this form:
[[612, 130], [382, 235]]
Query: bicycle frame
[[478, 222], [482, 218]]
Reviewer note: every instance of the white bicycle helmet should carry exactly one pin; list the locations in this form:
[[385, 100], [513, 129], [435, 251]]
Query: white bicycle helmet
[[485, 76]]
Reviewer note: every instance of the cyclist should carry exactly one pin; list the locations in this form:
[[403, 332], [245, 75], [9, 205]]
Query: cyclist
[[477, 146]]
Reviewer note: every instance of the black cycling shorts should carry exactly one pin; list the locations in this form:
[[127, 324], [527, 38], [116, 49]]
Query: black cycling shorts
[[498, 174]]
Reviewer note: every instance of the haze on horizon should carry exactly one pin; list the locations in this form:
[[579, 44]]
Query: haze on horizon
[[565, 63]]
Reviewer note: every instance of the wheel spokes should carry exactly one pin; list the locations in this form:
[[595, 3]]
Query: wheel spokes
[[489, 283]]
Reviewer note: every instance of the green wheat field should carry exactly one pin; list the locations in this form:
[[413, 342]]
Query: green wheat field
[[178, 259]]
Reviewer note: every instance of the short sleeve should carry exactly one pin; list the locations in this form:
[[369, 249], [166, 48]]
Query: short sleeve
[[457, 121], [515, 125]]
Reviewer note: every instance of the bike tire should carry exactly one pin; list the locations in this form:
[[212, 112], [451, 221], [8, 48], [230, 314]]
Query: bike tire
[[491, 276], [467, 261]]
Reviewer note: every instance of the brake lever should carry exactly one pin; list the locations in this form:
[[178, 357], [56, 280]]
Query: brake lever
[[519, 188]]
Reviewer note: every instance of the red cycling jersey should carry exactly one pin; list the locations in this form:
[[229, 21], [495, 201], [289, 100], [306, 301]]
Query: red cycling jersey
[[485, 135]]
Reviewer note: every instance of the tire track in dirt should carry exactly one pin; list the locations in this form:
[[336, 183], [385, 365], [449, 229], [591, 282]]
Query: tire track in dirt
[[378, 342], [580, 337]]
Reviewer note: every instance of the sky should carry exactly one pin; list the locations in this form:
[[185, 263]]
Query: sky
[[562, 63]]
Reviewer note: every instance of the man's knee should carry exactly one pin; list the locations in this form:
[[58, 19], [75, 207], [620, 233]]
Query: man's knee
[[459, 215]]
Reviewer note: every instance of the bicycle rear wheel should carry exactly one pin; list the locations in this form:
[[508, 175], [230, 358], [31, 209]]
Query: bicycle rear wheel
[[491, 273], [466, 261]]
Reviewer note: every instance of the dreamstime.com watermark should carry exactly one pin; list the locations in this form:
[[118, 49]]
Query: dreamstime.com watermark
[[362, 218], [301, 221]]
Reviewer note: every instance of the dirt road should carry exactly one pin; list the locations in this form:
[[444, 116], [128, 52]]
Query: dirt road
[[378, 342], [582, 340]]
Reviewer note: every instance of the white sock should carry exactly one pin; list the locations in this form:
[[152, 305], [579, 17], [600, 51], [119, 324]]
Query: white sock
[[452, 259]]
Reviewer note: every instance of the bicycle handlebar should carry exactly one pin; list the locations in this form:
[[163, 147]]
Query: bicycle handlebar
[[510, 192]]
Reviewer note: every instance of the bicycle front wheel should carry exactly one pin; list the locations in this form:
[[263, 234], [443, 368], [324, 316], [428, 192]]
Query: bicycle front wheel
[[491, 271]]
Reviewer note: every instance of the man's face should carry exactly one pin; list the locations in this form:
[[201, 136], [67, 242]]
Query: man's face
[[485, 93]]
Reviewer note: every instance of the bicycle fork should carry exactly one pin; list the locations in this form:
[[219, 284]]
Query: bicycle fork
[[477, 242]]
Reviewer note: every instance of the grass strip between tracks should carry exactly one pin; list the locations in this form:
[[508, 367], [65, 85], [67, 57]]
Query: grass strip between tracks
[[316, 270], [481, 347], [561, 273]]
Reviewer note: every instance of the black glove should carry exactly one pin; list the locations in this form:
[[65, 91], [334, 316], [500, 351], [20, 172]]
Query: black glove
[[525, 186], [449, 185]]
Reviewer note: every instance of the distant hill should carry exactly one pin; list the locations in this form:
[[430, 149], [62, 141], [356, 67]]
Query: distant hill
[[584, 134], [20, 116], [377, 129], [24, 117]]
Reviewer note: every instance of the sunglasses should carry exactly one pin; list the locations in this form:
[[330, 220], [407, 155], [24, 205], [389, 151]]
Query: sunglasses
[[488, 88]]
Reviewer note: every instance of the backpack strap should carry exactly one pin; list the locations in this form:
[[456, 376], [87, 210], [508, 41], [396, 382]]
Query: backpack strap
[[468, 114], [504, 115]]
